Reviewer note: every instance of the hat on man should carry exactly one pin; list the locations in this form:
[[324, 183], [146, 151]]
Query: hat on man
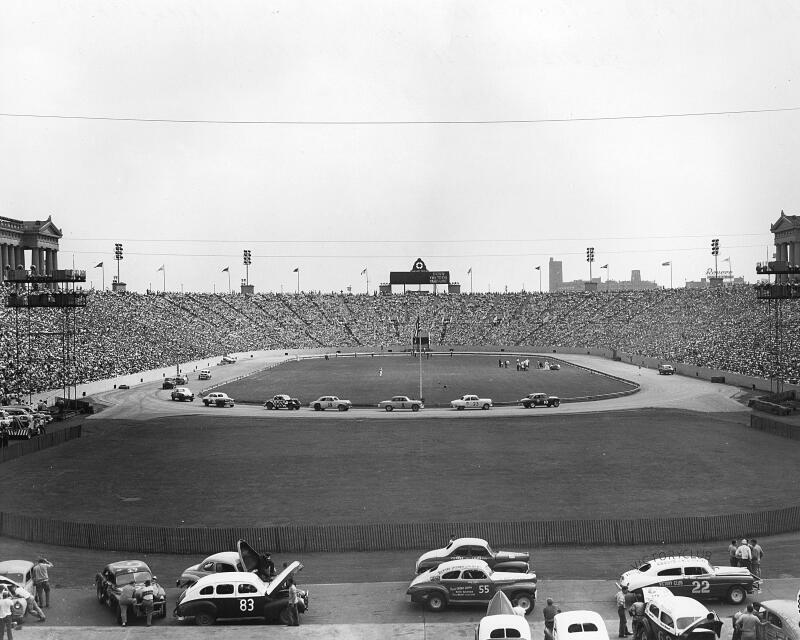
[[744, 540]]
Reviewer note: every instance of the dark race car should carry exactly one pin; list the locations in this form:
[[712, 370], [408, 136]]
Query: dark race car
[[471, 582], [478, 549], [540, 400], [282, 401], [109, 583]]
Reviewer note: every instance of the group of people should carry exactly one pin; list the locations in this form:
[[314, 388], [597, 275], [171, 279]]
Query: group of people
[[746, 553], [34, 604], [725, 328]]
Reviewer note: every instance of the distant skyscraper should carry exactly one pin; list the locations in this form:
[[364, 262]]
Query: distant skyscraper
[[636, 277], [556, 275]]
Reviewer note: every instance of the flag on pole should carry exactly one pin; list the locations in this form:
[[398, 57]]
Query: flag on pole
[[469, 270], [226, 269], [726, 259], [161, 268], [605, 266], [296, 270], [98, 265], [538, 268], [666, 264], [364, 271]]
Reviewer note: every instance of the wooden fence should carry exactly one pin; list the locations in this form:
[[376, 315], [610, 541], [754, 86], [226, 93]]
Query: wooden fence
[[775, 427], [389, 536], [50, 439]]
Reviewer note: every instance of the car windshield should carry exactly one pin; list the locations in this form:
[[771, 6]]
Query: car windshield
[[128, 578]]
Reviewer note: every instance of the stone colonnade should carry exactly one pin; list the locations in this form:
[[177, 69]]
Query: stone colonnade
[[13, 256], [788, 252]]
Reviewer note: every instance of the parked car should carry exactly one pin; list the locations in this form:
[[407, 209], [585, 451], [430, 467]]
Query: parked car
[[666, 370], [218, 399], [223, 562], [471, 402], [540, 400], [401, 402], [555, 366], [692, 576], [183, 394], [20, 572], [501, 621], [124, 386], [782, 619], [205, 374], [109, 583], [19, 606], [671, 617], [579, 625], [240, 595], [471, 582], [282, 401], [477, 549], [330, 402], [168, 383]]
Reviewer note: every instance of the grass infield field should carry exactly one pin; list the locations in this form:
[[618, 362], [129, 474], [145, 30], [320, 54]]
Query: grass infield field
[[205, 471], [367, 380]]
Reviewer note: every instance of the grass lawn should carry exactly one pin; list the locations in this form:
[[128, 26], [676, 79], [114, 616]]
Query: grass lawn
[[443, 379], [206, 471]]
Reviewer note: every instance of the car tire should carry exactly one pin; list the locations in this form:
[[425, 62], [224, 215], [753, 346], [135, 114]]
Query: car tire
[[556, 403], [459, 408], [736, 594], [485, 406], [343, 407], [204, 619], [205, 402], [525, 601], [389, 407], [317, 406], [415, 407], [436, 602], [270, 406]]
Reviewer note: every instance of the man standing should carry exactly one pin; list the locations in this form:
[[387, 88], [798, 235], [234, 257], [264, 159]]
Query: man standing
[[5, 614], [549, 613], [636, 611], [732, 547], [623, 620], [41, 580], [744, 554], [756, 553], [749, 624], [294, 599]]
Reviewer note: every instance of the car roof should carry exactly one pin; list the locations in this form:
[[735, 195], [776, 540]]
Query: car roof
[[503, 621], [238, 576], [473, 541], [676, 606], [671, 561], [787, 609], [570, 617], [223, 556], [128, 565], [466, 563], [15, 566]]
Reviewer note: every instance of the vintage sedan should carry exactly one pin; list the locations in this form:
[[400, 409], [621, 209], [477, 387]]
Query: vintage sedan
[[671, 617], [692, 576], [579, 625], [168, 383], [666, 369], [330, 402], [781, 619], [471, 582], [183, 394], [282, 401], [501, 621], [471, 402], [401, 402], [109, 583], [20, 572], [217, 399], [239, 596], [223, 562], [539, 400], [475, 548], [19, 606]]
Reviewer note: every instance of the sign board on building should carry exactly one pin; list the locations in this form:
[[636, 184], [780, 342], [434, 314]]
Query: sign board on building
[[419, 274]]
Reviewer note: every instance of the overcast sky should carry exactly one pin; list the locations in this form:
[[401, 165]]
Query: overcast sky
[[353, 135]]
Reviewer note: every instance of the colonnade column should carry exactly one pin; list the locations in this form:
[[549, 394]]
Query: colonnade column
[[55, 260], [3, 261]]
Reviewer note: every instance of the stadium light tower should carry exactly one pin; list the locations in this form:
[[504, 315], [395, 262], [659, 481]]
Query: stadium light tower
[[246, 259], [590, 260], [118, 256], [715, 253]]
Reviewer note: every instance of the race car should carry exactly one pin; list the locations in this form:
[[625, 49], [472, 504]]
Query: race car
[[223, 562], [20, 572], [218, 399], [109, 583], [671, 617], [168, 383], [282, 401], [540, 400], [478, 549], [471, 402], [330, 402], [501, 621], [240, 595], [692, 576], [182, 394], [19, 606], [471, 582], [579, 625], [666, 370], [401, 402]]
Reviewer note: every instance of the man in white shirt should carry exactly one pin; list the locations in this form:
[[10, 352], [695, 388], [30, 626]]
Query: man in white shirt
[[744, 554], [5, 614]]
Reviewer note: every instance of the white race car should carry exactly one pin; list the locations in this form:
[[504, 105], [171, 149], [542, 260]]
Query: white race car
[[330, 402], [218, 399], [471, 402], [401, 402]]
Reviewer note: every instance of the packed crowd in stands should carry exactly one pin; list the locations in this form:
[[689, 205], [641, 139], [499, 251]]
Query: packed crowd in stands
[[725, 328]]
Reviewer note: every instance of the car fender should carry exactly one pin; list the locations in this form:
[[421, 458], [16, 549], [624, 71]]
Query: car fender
[[193, 607], [423, 593]]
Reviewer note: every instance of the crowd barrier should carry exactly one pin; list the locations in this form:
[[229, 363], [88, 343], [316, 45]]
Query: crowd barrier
[[50, 439], [393, 536], [775, 427]]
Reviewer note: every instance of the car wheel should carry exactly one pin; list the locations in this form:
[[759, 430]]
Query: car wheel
[[269, 405], [205, 402], [436, 602], [317, 406], [556, 403], [343, 407], [389, 407], [415, 407], [525, 601], [459, 408], [204, 619], [736, 594], [283, 616], [485, 406]]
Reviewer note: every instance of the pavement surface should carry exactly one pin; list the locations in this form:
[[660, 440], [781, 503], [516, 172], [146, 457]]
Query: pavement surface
[[362, 596]]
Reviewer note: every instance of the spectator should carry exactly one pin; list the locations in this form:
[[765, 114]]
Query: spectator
[[41, 580], [756, 553], [732, 547], [744, 554]]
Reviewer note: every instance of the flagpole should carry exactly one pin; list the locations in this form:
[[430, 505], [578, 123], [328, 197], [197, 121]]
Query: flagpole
[[164, 273], [229, 280], [670, 274]]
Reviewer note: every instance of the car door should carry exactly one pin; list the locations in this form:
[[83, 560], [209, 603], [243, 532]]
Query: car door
[[471, 402], [482, 553], [458, 588], [227, 601], [482, 586], [697, 583], [672, 578], [251, 604]]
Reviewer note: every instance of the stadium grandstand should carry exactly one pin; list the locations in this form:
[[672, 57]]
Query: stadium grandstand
[[726, 328]]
